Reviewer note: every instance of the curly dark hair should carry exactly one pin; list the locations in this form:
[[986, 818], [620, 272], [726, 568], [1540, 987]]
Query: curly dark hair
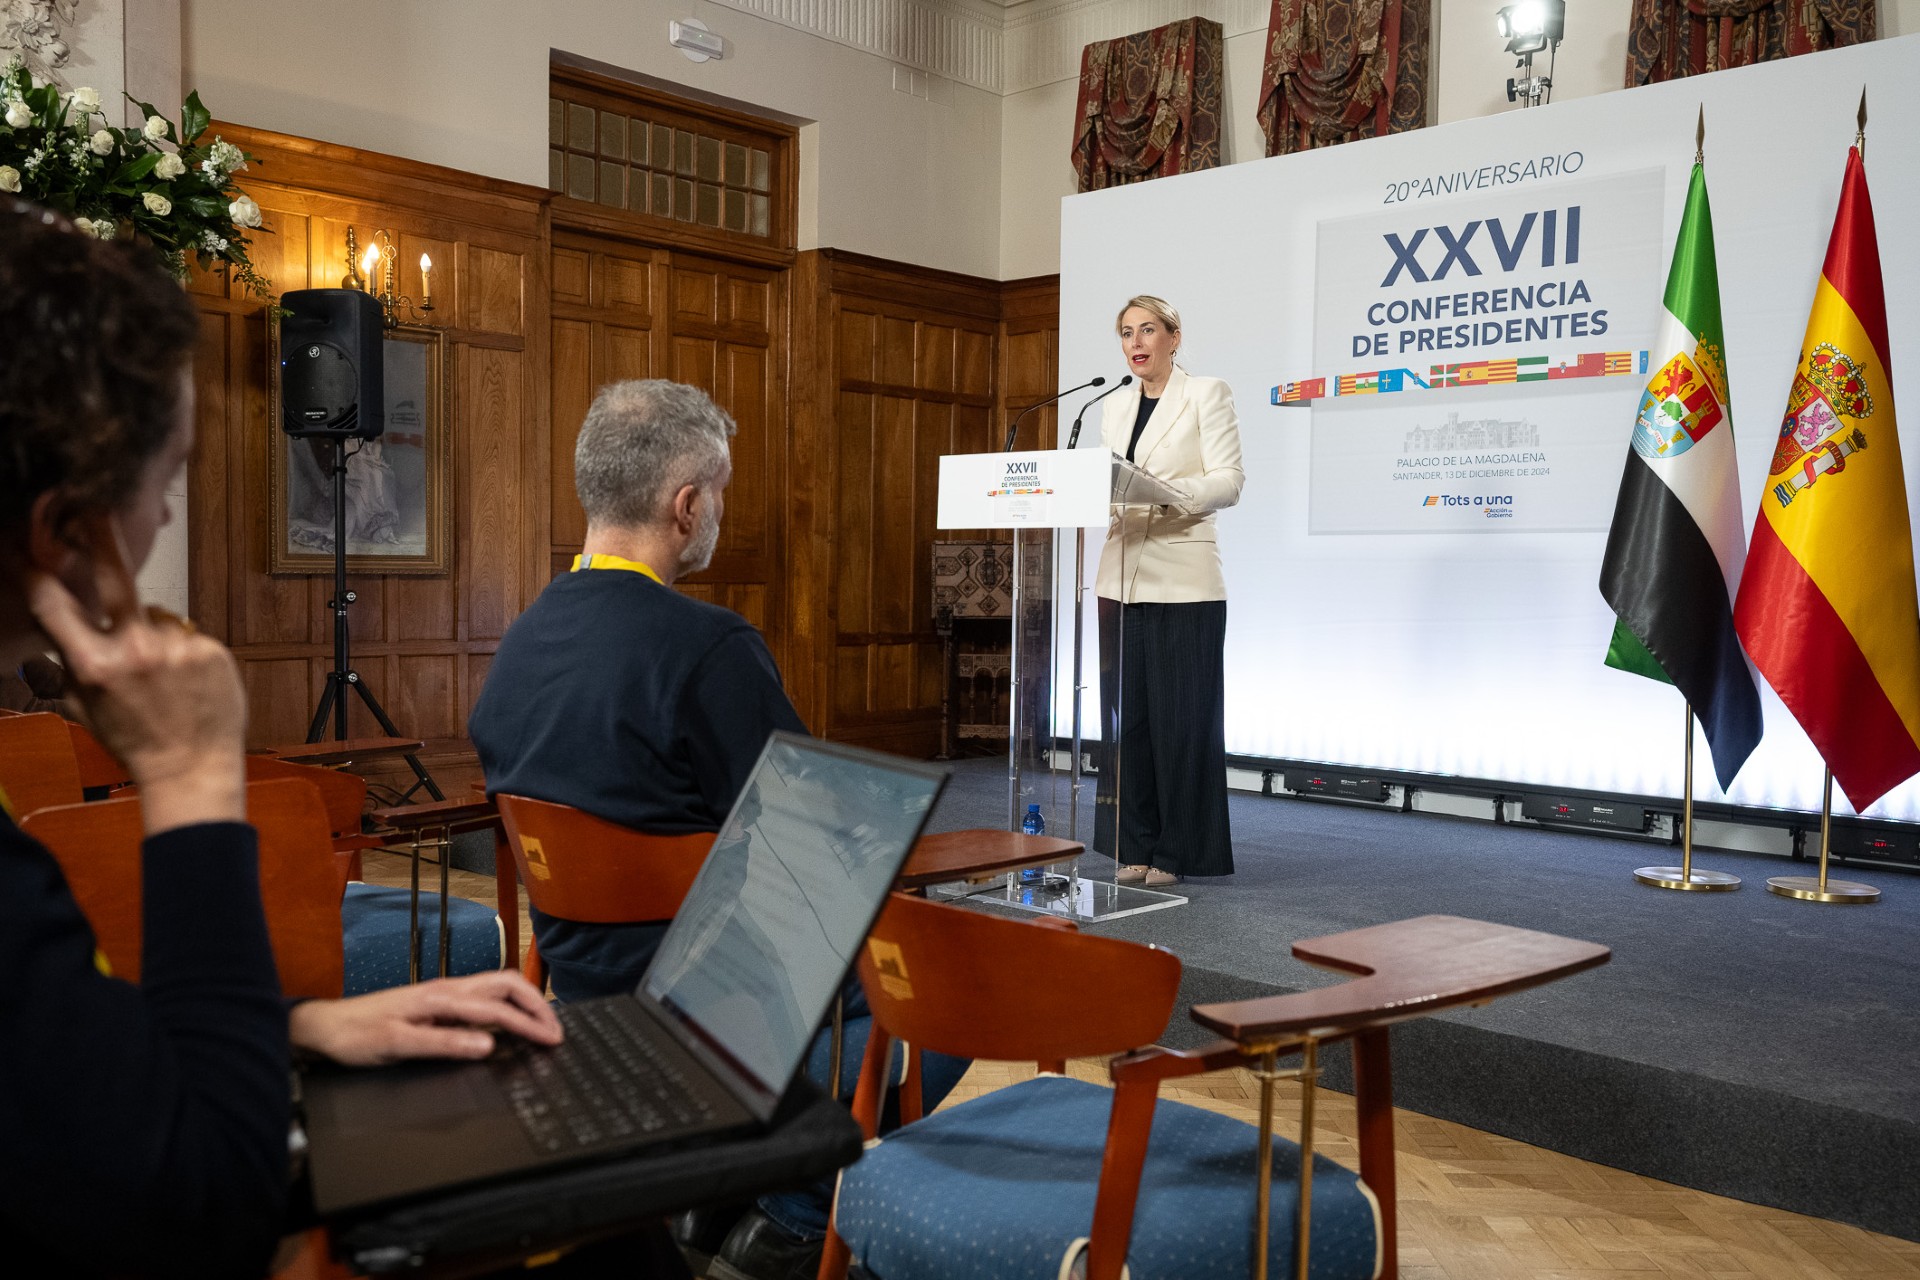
[[95, 336]]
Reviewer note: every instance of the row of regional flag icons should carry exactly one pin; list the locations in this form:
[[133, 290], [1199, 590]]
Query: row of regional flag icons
[[1822, 598]]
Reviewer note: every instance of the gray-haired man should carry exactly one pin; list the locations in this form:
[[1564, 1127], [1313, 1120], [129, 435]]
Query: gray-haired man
[[615, 693]]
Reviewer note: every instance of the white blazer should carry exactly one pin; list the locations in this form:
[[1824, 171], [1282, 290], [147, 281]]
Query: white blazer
[[1170, 554]]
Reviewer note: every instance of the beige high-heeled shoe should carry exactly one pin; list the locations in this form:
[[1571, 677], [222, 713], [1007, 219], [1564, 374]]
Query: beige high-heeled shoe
[[1132, 873]]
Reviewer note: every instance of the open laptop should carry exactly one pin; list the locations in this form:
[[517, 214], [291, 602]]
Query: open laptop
[[709, 1041]]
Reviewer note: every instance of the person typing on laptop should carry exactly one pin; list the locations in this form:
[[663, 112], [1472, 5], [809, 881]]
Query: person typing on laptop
[[145, 1128]]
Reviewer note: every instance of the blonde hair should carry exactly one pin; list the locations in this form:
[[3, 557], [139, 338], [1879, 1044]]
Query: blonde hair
[[1159, 308]]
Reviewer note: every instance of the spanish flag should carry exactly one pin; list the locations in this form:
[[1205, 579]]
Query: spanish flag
[[1827, 607]]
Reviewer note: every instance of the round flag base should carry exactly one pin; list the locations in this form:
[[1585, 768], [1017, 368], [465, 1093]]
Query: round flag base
[[1675, 878], [1808, 887]]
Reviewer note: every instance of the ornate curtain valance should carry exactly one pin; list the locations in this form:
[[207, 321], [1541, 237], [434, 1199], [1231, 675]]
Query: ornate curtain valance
[[1337, 70], [1667, 39], [1149, 105]]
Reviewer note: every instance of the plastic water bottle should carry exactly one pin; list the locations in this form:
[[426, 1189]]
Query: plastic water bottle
[[1034, 825]]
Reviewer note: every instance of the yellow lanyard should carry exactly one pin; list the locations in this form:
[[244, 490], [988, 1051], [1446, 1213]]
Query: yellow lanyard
[[613, 562]]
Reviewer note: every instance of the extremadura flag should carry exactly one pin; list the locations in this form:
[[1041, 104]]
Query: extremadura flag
[[1828, 606], [1674, 553]]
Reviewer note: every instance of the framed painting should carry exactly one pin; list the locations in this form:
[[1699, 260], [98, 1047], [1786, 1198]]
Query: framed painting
[[396, 486]]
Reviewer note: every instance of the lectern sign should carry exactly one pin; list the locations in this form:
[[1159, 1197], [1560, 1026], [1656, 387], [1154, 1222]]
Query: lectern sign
[[1042, 489], [1022, 496]]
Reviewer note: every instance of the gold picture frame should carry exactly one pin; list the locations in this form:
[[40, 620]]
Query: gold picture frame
[[397, 493]]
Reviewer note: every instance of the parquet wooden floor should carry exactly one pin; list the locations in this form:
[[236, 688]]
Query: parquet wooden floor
[[1474, 1206]]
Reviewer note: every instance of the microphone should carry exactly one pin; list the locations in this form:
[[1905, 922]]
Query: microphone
[[1014, 429], [1074, 439]]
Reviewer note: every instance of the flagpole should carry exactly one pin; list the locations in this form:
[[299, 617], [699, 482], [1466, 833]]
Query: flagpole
[[1684, 876], [1819, 888]]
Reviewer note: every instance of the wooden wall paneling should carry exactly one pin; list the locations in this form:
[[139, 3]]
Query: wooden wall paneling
[[1029, 356], [811, 505], [693, 360], [491, 389], [570, 388], [895, 422], [536, 442], [939, 436], [855, 538], [724, 339], [425, 695], [747, 537], [211, 482], [280, 694], [934, 357], [422, 609], [494, 293], [623, 353], [911, 370], [570, 277], [416, 640], [623, 285], [896, 353], [602, 331]]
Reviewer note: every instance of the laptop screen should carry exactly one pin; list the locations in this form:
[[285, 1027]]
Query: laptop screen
[[794, 882]]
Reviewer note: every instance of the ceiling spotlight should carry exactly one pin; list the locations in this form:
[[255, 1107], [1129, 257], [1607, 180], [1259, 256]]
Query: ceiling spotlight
[[1529, 27], [1532, 25]]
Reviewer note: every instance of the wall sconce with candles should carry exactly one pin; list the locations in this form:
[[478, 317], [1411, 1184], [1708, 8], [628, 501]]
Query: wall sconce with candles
[[373, 272]]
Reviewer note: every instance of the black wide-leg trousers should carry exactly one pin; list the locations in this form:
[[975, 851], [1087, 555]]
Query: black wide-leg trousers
[[1171, 724]]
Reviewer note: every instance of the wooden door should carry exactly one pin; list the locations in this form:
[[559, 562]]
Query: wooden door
[[623, 309]]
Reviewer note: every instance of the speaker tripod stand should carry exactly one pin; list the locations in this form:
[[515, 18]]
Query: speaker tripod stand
[[343, 677]]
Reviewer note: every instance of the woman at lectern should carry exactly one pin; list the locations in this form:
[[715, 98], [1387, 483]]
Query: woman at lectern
[[1163, 614]]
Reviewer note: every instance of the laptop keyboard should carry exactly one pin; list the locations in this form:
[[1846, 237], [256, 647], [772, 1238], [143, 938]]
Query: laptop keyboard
[[606, 1084]]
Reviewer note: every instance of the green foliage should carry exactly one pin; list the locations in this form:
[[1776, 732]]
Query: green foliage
[[174, 191]]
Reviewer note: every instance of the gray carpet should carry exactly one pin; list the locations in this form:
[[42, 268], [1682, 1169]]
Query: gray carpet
[[1740, 1043]]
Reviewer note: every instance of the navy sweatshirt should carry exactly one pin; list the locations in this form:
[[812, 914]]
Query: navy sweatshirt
[[143, 1130]]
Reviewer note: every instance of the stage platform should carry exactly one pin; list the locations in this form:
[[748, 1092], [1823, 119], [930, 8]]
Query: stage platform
[[1739, 1043]]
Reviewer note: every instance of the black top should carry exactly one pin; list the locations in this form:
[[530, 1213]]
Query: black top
[[1140, 422], [639, 705], [144, 1128]]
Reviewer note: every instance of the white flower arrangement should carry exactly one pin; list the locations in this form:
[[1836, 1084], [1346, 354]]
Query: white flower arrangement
[[158, 182]]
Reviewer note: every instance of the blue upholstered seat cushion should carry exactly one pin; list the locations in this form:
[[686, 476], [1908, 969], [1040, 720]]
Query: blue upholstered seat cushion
[[998, 1188], [374, 921], [938, 1072]]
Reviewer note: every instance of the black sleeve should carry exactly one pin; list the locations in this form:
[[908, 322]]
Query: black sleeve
[[732, 702], [144, 1128]]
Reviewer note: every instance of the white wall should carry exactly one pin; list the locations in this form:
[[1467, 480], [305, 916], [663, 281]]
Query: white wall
[[464, 83], [1036, 140], [133, 46]]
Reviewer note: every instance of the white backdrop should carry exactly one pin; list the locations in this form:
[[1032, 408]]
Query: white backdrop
[[1456, 652]]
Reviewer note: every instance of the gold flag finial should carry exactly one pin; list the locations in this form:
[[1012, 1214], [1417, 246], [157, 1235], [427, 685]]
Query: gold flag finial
[[1860, 138], [1700, 137]]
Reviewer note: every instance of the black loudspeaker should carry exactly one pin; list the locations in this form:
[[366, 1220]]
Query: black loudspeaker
[[332, 365]]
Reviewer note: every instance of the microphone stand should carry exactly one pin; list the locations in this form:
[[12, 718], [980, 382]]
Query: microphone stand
[[1017, 602], [1014, 428], [1079, 630]]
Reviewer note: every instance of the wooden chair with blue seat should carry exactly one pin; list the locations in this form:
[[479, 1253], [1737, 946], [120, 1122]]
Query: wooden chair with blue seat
[[1056, 1176], [596, 872], [98, 848], [379, 921], [585, 869]]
